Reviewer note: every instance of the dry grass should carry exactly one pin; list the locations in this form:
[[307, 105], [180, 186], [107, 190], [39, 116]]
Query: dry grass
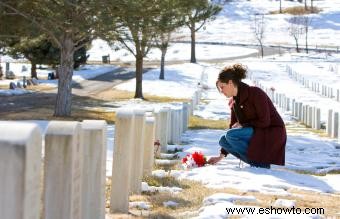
[[164, 181], [4, 87], [82, 108], [200, 123], [46, 113], [193, 193], [298, 10], [190, 199], [117, 95], [299, 128], [40, 87]]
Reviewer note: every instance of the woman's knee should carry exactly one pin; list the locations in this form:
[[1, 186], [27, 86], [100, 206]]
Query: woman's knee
[[231, 134], [223, 141]]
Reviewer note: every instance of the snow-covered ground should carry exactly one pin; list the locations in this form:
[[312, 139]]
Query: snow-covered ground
[[234, 25]]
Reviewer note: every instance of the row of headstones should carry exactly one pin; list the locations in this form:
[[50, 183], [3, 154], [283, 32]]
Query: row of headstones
[[325, 90], [136, 131], [304, 113], [75, 162], [8, 73], [72, 182], [24, 84]]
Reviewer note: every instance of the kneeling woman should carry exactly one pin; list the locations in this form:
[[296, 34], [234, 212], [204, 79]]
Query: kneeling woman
[[257, 134]]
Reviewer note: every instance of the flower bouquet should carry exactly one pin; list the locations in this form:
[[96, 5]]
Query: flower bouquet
[[196, 159]]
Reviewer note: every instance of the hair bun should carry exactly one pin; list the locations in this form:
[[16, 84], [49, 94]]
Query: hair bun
[[240, 71]]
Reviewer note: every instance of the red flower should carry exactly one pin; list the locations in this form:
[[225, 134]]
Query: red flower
[[195, 159], [199, 159]]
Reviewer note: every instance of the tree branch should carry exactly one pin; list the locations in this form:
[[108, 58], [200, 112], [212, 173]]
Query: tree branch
[[200, 26], [50, 33]]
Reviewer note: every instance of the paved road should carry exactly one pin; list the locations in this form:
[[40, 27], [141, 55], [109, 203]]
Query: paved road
[[47, 98], [102, 82]]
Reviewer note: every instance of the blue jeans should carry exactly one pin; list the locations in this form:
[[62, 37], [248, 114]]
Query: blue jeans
[[236, 141]]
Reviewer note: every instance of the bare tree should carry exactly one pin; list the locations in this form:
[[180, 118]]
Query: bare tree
[[200, 12], [296, 29], [311, 5], [306, 23], [259, 29], [280, 7]]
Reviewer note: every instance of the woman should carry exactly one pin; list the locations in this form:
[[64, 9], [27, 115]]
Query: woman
[[257, 134]]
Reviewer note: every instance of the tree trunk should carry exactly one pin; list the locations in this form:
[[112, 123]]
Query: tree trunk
[[297, 45], [262, 53], [193, 43], [306, 40], [305, 4], [64, 95], [34, 70], [280, 7], [139, 75], [161, 75], [311, 5]]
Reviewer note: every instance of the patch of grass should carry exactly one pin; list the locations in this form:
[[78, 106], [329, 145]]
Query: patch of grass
[[298, 10], [115, 94], [163, 99], [190, 199], [46, 113], [40, 88], [334, 172], [196, 122], [4, 87], [306, 172], [301, 128], [79, 115], [169, 167], [169, 181]]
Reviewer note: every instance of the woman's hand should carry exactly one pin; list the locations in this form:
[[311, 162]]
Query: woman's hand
[[237, 125], [214, 160]]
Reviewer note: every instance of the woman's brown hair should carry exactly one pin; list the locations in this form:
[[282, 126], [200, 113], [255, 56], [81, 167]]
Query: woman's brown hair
[[235, 72]]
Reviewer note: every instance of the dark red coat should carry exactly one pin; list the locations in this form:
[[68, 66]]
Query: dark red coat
[[269, 140]]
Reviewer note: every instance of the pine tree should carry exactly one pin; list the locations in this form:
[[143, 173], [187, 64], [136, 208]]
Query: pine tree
[[69, 24]]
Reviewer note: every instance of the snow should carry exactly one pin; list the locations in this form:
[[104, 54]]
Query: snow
[[140, 205], [170, 204], [84, 72], [147, 188], [305, 151], [284, 203], [223, 197]]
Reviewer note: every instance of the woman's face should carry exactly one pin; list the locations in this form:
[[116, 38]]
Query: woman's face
[[227, 89]]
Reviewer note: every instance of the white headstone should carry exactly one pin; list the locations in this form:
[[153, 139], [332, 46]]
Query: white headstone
[[335, 125], [138, 152], [20, 170], [122, 159], [149, 139], [94, 168], [185, 116], [162, 129], [329, 123], [62, 175]]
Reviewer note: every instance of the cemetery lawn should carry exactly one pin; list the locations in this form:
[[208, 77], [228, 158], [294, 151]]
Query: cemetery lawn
[[190, 199], [196, 122], [40, 105]]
